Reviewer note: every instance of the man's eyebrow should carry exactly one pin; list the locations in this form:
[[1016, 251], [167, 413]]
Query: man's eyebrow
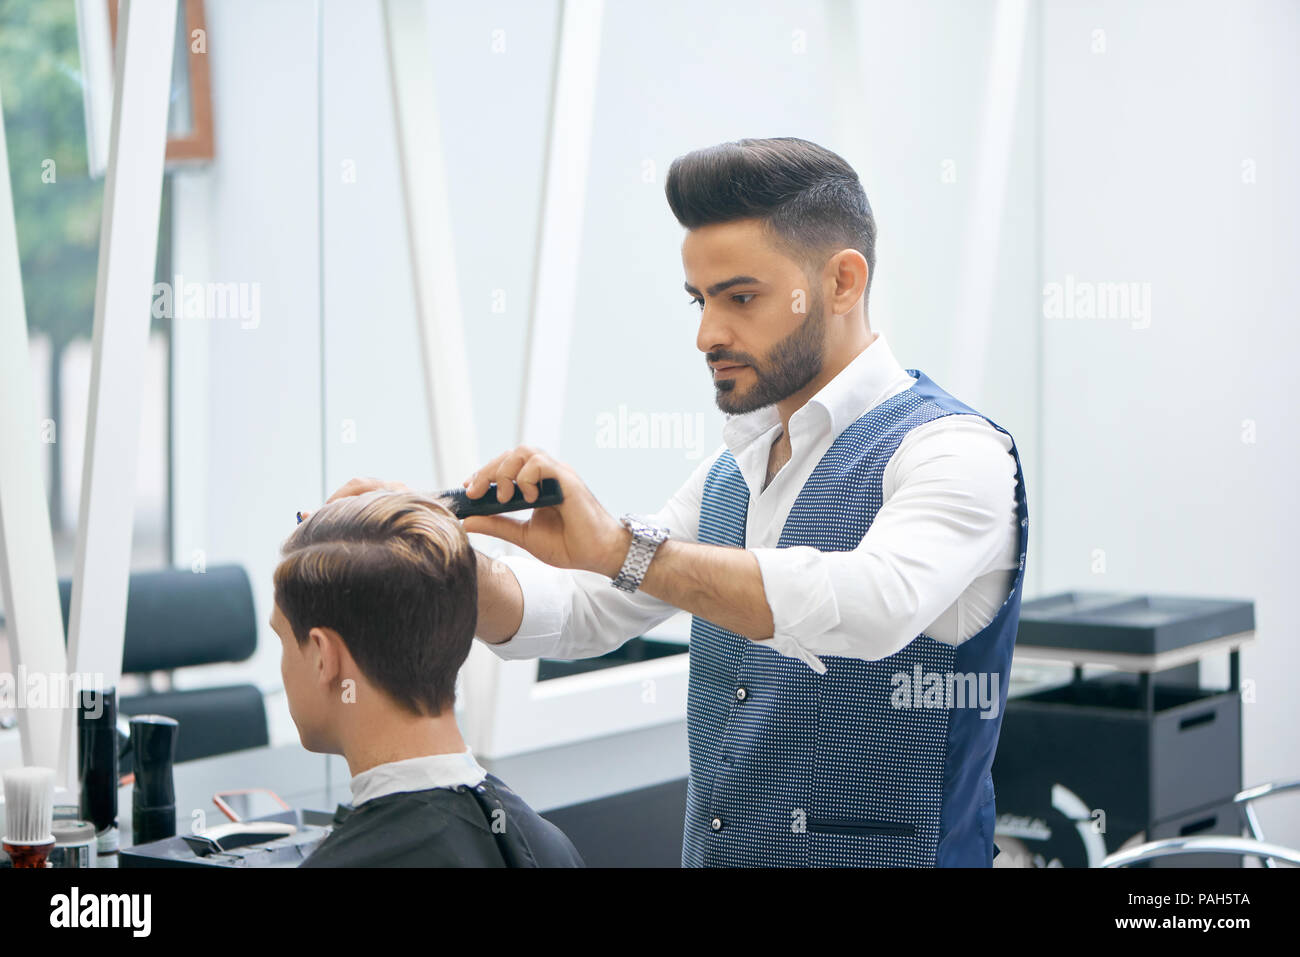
[[726, 284]]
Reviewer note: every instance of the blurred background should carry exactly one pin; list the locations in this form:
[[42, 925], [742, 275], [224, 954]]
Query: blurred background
[[1145, 149]]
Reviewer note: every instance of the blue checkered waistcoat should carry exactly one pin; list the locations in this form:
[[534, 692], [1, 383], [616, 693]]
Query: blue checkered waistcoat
[[793, 768]]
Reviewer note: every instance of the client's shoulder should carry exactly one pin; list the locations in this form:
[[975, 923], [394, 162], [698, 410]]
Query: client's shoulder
[[533, 837], [435, 827]]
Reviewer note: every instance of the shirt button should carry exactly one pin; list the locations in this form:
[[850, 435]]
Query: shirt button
[[741, 694], [716, 824]]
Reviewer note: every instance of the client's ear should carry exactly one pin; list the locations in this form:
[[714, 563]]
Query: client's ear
[[327, 655]]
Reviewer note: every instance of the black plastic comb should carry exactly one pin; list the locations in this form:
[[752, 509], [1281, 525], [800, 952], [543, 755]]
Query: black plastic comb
[[462, 506]]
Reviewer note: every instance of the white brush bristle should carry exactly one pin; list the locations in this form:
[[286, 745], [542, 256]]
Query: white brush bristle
[[29, 806]]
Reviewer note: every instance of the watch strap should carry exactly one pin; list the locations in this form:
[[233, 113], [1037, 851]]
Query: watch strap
[[646, 540]]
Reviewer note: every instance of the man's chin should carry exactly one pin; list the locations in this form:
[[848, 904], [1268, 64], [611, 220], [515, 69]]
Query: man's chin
[[726, 401], [733, 404]]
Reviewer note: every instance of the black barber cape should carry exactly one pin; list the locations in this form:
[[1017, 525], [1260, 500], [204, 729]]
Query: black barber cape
[[484, 826]]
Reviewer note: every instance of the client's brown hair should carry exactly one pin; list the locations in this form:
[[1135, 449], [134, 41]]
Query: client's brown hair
[[395, 576]]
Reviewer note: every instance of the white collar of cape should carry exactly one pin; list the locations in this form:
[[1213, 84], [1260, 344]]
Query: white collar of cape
[[417, 774]]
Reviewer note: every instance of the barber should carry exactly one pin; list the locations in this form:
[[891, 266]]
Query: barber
[[852, 554]]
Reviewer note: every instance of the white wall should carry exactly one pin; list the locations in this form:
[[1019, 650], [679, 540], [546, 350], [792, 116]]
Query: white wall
[[1146, 441], [248, 400]]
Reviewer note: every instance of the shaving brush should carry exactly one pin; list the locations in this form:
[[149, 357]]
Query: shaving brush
[[29, 816]]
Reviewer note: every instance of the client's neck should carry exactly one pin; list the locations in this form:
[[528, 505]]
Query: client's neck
[[392, 735]]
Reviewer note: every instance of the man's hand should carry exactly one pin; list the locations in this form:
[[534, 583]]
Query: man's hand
[[578, 533]]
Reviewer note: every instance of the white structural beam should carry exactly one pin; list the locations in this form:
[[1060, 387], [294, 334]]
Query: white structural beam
[[559, 232], [439, 316], [975, 290], [430, 240], [33, 619], [509, 711], [128, 247], [96, 49]]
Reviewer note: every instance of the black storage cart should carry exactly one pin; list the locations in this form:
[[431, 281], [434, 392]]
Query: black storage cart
[[1139, 753]]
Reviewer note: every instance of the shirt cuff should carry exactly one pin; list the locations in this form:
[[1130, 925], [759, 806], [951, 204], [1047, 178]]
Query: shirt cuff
[[799, 593], [547, 593]]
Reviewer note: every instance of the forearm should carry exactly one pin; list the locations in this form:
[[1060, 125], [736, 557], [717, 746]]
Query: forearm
[[722, 585], [500, 601]]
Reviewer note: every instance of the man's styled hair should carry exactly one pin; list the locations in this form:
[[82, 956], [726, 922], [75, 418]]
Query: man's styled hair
[[394, 574], [810, 198]]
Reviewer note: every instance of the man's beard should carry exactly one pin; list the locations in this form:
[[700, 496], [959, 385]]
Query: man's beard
[[789, 366]]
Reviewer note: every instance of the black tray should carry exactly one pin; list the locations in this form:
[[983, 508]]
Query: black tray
[[1129, 624], [314, 827]]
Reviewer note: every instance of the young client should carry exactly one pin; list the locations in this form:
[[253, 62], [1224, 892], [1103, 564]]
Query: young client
[[375, 606]]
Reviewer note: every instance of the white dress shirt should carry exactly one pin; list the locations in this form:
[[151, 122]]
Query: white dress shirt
[[417, 774], [939, 559]]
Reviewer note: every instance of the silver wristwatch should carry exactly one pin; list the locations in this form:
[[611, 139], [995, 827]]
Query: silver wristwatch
[[646, 539]]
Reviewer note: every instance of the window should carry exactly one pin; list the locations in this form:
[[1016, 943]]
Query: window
[[57, 208]]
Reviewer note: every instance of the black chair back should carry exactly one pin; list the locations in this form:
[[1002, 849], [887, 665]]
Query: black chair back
[[179, 619]]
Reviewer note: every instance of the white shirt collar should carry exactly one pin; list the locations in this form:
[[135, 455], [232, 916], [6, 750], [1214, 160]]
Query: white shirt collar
[[417, 774], [872, 376]]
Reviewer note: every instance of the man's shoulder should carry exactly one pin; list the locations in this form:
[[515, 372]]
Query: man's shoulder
[[983, 430], [962, 448]]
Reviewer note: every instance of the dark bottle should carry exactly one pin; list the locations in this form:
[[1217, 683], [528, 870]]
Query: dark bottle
[[97, 766], [153, 800]]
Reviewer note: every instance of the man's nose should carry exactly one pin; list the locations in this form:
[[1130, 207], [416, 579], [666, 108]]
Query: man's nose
[[713, 335]]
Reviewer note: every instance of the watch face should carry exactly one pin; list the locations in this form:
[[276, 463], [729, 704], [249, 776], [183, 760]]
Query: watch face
[[640, 527]]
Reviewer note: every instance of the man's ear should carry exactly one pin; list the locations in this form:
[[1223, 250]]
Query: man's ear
[[327, 655], [847, 274]]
